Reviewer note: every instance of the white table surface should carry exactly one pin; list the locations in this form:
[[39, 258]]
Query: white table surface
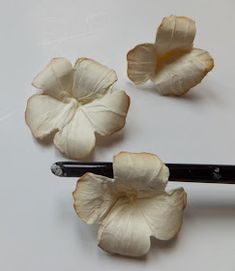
[[39, 229]]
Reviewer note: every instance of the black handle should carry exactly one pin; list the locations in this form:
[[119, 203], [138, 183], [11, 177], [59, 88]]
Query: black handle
[[202, 173], [178, 172], [77, 169]]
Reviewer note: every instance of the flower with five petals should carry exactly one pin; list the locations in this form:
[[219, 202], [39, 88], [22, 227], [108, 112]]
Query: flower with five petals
[[132, 206], [75, 103]]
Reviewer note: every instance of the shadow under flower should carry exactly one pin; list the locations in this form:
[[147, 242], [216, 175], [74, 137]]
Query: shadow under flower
[[200, 93]]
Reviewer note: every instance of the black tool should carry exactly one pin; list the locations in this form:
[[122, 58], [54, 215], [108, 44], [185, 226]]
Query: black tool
[[178, 172]]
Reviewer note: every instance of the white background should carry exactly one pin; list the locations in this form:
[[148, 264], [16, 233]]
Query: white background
[[39, 229]]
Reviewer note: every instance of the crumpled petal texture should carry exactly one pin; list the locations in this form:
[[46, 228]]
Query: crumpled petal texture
[[171, 62], [104, 116], [179, 76], [91, 79], [45, 115], [77, 138], [56, 79], [131, 207], [124, 231], [142, 172], [95, 197], [142, 63], [175, 32], [108, 114], [75, 104]]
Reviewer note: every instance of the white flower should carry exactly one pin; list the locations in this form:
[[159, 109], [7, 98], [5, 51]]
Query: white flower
[[76, 102], [131, 207], [171, 62]]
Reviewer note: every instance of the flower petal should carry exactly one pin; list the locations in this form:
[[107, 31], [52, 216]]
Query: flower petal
[[91, 79], [93, 197], [164, 213], [175, 32], [108, 114], [141, 172], [178, 76], [56, 79], [45, 114], [142, 62], [124, 230], [77, 139]]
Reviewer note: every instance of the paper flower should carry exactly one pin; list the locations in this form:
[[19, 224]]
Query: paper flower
[[75, 103], [172, 63], [131, 207]]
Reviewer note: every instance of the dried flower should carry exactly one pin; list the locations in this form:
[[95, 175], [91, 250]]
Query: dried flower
[[171, 62], [131, 207], [75, 103]]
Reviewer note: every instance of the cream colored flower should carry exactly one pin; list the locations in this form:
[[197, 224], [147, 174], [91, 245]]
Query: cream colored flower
[[171, 62], [76, 102], [131, 207]]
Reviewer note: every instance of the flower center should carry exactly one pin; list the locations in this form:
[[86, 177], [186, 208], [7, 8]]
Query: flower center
[[169, 58], [130, 195], [67, 97], [83, 102]]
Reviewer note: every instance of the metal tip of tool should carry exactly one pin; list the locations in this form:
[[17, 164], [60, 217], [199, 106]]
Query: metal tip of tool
[[57, 170]]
